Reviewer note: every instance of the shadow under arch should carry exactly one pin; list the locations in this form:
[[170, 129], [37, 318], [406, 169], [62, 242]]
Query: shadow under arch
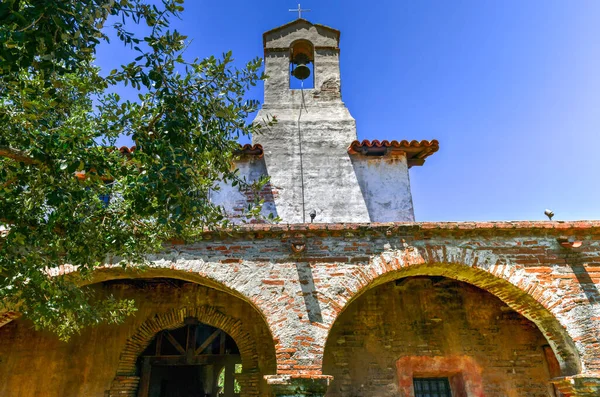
[[118, 273], [514, 297]]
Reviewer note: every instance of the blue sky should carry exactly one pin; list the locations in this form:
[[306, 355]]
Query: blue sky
[[510, 88]]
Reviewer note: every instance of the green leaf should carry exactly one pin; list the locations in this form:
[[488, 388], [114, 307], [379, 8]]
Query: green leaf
[[63, 110]]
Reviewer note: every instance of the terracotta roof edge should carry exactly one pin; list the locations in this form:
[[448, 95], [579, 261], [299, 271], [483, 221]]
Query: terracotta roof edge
[[416, 151], [555, 228], [246, 149]]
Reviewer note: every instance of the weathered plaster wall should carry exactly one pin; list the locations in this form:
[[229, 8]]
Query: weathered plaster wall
[[385, 186], [301, 294], [306, 151], [235, 201], [322, 179], [375, 346], [34, 363], [383, 181]]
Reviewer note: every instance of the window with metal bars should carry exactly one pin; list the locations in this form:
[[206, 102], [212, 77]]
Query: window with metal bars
[[432, 387]]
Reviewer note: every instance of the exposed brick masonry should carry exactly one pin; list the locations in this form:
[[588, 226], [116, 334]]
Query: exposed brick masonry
[[300, 295], [103, 359], [431, 327]]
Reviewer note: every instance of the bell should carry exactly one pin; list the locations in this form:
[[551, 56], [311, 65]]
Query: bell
[[301, 72]]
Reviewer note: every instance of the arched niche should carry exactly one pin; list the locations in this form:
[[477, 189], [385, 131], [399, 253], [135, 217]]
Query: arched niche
[[435, 328], [517, 298], [225, 309], [107, 355]]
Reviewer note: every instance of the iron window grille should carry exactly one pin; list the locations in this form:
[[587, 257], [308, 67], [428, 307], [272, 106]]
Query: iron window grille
[[432, 387]]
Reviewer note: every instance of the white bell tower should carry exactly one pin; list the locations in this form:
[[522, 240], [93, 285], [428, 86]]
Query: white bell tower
[[306, 152]]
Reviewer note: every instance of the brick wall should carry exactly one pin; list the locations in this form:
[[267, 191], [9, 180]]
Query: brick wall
[[302, 293], [391, 328], [34, 363], [301, 278]]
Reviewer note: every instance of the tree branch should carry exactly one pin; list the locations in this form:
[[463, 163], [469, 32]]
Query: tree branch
[[32, 23], [17, 155]]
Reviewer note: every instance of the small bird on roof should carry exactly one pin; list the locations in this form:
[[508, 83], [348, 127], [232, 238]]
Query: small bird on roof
[[549, 214]]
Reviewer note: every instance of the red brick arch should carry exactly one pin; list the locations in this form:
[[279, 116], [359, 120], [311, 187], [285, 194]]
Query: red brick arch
[[126, 381], [116, 272], [493, 279]]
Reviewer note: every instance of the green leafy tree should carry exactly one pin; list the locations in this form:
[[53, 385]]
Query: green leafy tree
[[59, 121]]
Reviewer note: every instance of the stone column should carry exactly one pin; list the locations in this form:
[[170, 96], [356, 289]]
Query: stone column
[[582, 385], [299, 385]]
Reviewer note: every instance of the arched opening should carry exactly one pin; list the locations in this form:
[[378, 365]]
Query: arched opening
[[514, 294], [195, 359], [302, 61], [215, 345], [432, 334], [105, 359]]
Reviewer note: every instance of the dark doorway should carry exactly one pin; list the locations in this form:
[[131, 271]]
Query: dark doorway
[[195, 360], [177, 381]]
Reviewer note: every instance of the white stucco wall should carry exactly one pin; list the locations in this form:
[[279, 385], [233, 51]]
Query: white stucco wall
[[234, 200], [385, 185]]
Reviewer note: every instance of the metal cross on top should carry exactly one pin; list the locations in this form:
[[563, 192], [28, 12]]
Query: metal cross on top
[[299, 11]]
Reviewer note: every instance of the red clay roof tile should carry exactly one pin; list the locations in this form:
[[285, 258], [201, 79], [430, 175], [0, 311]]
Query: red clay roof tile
[[250, 150], [247, 150], [415, 151]]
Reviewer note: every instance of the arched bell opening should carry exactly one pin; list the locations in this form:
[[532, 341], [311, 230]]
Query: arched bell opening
[[193, 360], [425, 334], [302, 60]]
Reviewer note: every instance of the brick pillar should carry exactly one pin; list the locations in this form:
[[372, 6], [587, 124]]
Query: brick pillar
[[582, 385], [300, 385], [124, 386], [249, 383]]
